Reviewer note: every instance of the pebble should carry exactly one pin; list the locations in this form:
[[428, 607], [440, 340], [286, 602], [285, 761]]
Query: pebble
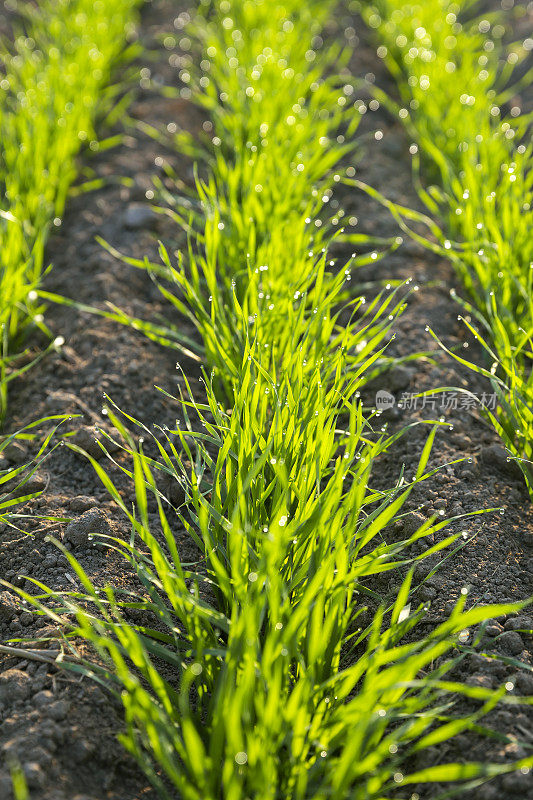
[[468, 474], [399, 378], [517, 783], [34, 774], [43, 698], [87, 438], [81, 750], [14, 685], [8, 607], [40, 678], [485, 663], [58, 710], [496, 455], [423, 567], [427, 592], [524, 683], [412, 522], [173, 490], [41, 756], [480, 681], [34, 485], [15, 453], [139, 216], [514, 751], [82, 503], [521, 622], [92, 521], [510, 642]]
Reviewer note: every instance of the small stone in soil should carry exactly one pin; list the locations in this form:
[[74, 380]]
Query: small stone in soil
[[87, 438], [510, 642], [82, 503], [8, 607], [495, 454], [43, 698], [92, 521], [15, 453], [481, 681], [524, 683], [34, 775], [35, 484], [139, 216], [494, 629], [517, 783], [14, 685], [412, 522], [521, 622], [399, 378], [57, 710], [80, 750]]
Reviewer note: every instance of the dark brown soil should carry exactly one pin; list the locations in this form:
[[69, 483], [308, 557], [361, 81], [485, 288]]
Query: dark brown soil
[[62, 729]]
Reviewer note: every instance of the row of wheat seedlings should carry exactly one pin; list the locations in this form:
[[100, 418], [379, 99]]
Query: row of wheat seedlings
[[255, 672], [52, 80], [461, 84]]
